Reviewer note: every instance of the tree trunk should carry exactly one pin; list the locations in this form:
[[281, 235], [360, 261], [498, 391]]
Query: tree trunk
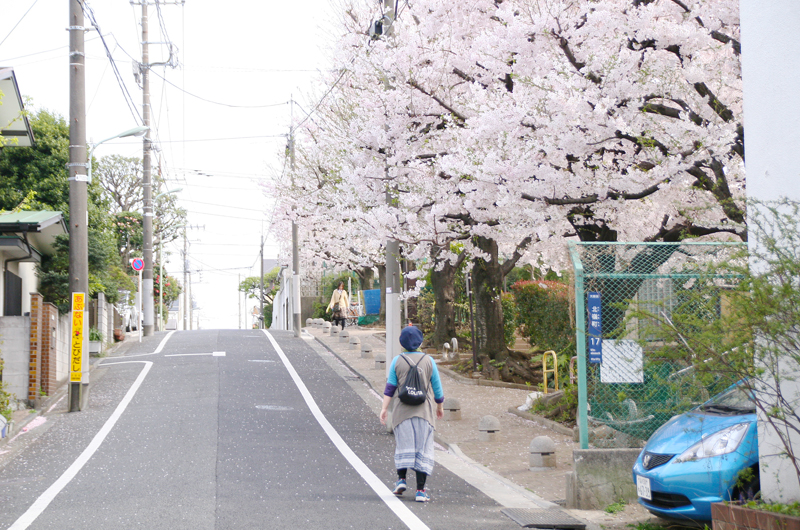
[[382, 281], [444, 294], [487, 278], [366, 277]]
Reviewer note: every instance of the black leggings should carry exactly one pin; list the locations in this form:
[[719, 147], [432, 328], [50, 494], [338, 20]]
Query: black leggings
[[336, 322], [421, 477]]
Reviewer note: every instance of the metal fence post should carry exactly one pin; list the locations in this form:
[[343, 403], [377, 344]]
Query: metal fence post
[[580, 347]]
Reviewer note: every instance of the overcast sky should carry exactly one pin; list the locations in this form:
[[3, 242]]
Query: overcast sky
[[221, 124]]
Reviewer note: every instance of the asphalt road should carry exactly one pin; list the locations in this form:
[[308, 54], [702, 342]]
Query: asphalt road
[[252, 436]]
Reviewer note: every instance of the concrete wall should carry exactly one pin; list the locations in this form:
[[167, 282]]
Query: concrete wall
[[601, 477], [771, 75], [15, 351], [62, 347]]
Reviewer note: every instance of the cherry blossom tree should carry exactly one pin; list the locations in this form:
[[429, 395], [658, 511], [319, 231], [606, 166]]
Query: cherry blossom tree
[[510, 125]]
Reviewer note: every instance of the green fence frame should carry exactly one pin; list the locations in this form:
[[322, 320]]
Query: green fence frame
[[585, 273]]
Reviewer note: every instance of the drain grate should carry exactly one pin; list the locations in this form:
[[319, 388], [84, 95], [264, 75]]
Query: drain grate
[[552, 518]]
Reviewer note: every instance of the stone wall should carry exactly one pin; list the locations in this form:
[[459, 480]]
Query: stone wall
[[601, 477]]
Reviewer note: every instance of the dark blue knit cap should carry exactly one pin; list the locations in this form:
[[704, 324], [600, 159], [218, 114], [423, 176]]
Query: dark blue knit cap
[[410, 338]]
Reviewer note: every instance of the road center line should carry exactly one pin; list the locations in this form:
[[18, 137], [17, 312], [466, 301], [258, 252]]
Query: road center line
[[50, 493], [396, 505]]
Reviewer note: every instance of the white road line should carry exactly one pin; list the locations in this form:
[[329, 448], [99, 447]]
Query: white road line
[[158, 348], [396, 505], [50, 493], [213, 354]]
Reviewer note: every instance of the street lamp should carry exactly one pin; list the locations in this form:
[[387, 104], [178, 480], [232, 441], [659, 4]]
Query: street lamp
[[161, 265], [136, 131]]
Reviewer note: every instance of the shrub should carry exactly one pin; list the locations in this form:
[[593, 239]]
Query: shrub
[[543, 315], [510, 315]]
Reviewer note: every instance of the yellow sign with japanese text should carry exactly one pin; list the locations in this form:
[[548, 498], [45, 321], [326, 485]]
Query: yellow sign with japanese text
[[76, 346], [78, 301]]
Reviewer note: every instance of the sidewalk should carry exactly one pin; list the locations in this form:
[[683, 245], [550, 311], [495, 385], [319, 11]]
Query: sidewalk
[[508, 456]]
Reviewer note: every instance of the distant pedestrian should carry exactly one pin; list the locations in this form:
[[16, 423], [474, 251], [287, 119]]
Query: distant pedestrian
[[413, 425], [340, 302]]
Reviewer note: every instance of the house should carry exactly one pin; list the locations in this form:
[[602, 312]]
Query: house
[[24, 238], [29, 327]]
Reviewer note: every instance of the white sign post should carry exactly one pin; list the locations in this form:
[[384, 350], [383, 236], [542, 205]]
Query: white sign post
[[138, 265]]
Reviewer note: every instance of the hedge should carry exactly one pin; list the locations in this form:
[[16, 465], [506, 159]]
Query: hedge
[[543, 315]]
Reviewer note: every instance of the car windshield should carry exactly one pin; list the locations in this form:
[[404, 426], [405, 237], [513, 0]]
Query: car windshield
[[734, 401]]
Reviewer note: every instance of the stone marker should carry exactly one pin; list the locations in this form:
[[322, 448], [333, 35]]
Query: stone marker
[[355, 343], [335, 331], [488, 429], [452, 409], [543, 453], [326, 328], [344, 336], [366, 351], [309, 322], [380, 363]]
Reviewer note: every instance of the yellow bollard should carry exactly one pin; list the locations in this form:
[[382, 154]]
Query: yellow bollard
[[554, 370]]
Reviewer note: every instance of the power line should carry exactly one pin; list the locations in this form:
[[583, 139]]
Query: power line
[[18, 22], [218, 102], [89, 13]]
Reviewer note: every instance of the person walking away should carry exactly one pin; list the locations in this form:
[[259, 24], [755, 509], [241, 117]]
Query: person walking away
[[340, 302], [413, 425]]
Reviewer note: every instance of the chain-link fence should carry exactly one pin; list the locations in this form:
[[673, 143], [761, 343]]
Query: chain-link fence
[[625, 293]]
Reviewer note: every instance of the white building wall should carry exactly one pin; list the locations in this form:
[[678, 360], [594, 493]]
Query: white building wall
[[771, 72], [30, 284], [282, 306]]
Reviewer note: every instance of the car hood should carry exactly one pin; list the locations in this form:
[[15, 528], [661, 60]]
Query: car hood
[[685, 430]]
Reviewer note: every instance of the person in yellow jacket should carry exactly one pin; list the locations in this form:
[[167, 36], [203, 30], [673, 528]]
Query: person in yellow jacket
[[340, 303]]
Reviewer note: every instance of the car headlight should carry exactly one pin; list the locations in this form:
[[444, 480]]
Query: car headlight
[[720, 443]]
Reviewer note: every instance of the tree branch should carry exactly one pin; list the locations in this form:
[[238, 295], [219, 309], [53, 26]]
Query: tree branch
[[438, 100]]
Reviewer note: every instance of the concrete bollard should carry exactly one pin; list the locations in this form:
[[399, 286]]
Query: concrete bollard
[[326, 328], [543, 453], [335, 331], [488, 429], [355, 343], [380, 363], [452, 409], [344, 336], [309, 322], [319, 322], [366, 351]]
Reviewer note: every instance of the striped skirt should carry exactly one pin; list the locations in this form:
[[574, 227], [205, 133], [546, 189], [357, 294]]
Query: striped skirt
[[414, 439]]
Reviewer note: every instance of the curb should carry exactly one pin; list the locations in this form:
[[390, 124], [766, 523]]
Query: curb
[[482, 382], [550, 424]]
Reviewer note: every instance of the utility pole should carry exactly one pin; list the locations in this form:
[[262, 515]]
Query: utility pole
[[78, 201], [261, 288], [185, 281], [392, 249], [147, 185], [295, 250]]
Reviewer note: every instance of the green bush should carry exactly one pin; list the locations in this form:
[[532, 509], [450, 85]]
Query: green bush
[[318, 311], [510, 315], [543, 315], [5, 397]]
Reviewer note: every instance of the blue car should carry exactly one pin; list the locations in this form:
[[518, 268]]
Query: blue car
[[696, 458]]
